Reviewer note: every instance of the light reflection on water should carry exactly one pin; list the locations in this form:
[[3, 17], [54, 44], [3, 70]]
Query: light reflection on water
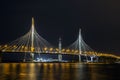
[[58, 71]]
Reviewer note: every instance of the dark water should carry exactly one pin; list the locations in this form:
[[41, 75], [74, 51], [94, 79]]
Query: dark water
[[59, 71]]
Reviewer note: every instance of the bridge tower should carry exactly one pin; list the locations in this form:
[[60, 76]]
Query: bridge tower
[[60, 50], [32, 39], [79, 44]]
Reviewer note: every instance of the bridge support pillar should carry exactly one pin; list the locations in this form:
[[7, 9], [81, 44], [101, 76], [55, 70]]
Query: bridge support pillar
[[59, 57], [91, 58], [80, 58], [24, 60], [97, 59], [32, 56]]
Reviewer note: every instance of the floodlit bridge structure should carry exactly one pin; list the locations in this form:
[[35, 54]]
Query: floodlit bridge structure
[[33, 43]]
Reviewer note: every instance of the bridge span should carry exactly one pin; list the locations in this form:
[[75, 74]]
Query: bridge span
[[33, 47]]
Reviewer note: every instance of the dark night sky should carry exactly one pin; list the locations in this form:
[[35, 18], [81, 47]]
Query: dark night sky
[[98, 19]]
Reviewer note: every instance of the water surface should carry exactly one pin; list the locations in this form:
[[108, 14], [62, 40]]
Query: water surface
[[59, 71]]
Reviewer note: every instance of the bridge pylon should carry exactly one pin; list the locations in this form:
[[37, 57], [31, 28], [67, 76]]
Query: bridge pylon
[[60, 50], [79, 44], [32, 39]]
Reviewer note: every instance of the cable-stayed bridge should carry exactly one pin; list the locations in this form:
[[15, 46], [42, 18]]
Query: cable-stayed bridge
[[33, 43]]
